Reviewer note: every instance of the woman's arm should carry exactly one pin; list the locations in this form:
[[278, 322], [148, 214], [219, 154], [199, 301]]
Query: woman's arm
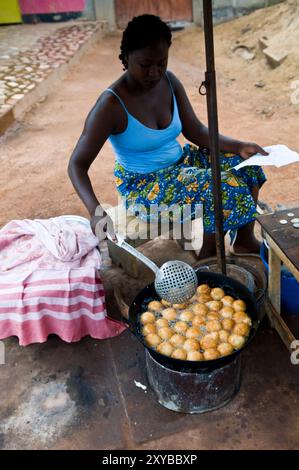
[[197, 133], [100, 123]]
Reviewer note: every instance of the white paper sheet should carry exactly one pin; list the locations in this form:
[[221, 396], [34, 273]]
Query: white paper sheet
[[279, 155]]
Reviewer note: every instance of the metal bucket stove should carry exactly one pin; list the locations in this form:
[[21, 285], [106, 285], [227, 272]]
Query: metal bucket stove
[[193, 392]]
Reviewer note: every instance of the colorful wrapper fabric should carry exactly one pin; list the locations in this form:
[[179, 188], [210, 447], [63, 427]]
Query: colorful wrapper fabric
[[189, 182]]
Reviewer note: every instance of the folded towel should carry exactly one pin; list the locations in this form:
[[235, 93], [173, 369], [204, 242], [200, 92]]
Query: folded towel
[[50, 282]]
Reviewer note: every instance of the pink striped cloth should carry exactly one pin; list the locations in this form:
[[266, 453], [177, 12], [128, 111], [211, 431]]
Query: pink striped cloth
[[50, 282]]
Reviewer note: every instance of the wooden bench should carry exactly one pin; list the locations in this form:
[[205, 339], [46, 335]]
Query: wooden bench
[[137, 233], [283, 241]]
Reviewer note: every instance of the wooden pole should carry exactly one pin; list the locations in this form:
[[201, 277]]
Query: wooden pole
[[210, 84]]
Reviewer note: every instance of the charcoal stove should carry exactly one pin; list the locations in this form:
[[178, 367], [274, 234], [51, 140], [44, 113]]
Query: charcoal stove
[[193, 392]]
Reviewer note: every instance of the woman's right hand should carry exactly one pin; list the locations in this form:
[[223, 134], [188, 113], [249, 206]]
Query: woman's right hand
[[101, 225]]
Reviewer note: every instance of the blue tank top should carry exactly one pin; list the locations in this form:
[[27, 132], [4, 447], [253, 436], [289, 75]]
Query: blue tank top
[[142, 149]]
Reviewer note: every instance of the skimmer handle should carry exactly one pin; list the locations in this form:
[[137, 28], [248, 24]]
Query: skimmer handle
[[125, 246]]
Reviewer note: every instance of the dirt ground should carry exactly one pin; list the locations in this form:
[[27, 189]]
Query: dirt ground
[[35, 152]]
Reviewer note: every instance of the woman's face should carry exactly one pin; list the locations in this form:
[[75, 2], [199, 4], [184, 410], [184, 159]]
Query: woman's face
[[148, 65]]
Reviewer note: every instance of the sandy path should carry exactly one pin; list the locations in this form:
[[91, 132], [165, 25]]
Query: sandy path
[[34, 155]]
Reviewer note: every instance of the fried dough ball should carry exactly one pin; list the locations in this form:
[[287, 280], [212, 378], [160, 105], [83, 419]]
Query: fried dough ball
[[155, 306], [241, 329], [227, 312], [194, 356], [161, 322], [242, 317], [149, 328], [217, 293], [180, 327], [193, 332], [239, 306], [204, 298], [165, 303], [228, 324], [200, 309], [177, 340], [223, 336], [197, 320], [186, 315], [165, 332], [227, 300], [225, 349], [153, 340], [193, 299], [203, 289], [179, 354], [213, 325], [169, 313], [213, 316], [210, 354], [209, 341], [180, 306], [215, 305], [165, 348], [191, 345], [147, 317], [236, 341]]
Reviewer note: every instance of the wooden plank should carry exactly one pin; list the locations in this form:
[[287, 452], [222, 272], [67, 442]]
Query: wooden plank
[[285, 237], [279, 325], [282, 256], [274, 275]]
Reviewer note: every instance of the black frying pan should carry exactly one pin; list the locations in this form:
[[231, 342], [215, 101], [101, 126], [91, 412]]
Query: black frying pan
[[230, 286]]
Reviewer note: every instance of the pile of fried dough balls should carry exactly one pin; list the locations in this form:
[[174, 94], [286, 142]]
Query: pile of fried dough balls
[[210, 325]]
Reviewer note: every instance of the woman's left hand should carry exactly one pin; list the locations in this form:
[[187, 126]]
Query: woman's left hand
[[247, 149]]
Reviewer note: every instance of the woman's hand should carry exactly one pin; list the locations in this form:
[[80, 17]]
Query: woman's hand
[[247, 149], [101, 225]]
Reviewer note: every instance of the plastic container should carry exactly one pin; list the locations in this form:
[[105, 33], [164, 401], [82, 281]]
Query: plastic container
[[289, 287]]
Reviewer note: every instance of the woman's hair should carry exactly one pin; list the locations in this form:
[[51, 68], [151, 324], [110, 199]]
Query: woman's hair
[[142, 31]]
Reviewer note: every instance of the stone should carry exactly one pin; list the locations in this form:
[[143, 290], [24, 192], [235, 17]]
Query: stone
[[25, 60], [244, 52], [263, 42], [18, 96], [12, 84], [260, 84], [274, 57], [268, 111]]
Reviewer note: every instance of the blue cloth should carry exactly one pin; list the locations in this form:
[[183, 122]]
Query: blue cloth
[[172, 186], [141, 149]]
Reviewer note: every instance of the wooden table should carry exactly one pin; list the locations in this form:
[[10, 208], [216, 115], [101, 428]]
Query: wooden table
[[283, 241]]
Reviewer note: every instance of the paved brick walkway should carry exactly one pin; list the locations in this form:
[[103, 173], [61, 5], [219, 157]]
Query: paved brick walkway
[[28, 59]]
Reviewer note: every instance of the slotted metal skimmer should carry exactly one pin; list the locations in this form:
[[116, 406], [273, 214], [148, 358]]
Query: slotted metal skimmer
[[175, 281]]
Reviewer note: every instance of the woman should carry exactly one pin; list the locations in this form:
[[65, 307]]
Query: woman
[[142, 113]]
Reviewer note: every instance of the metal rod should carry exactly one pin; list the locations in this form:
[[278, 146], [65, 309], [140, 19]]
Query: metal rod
[[210, 79]]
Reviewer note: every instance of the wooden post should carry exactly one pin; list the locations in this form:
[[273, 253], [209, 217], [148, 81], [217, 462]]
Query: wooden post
[[210, 83]]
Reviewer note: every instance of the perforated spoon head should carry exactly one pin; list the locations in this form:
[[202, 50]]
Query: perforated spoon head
[[176, 282]]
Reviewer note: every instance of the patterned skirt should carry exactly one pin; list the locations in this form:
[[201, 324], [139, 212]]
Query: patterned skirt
[[189, 182]]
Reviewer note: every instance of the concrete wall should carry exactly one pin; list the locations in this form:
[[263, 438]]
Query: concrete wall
[[104, 10], [224, 10]]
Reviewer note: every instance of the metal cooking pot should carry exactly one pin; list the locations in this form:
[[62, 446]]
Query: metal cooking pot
[[230, 286]]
